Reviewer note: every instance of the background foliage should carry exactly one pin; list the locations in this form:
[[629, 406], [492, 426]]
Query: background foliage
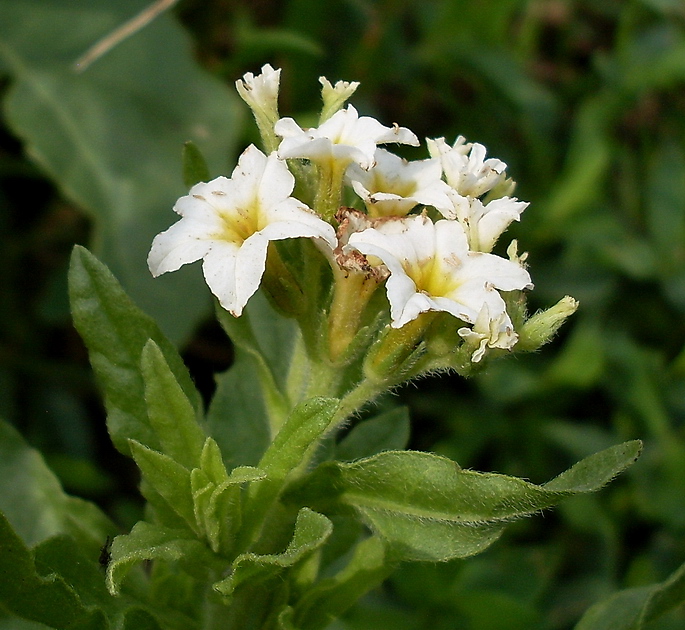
[[585, 103]]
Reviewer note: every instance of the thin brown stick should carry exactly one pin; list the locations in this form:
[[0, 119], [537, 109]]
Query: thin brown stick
[[104, 45]]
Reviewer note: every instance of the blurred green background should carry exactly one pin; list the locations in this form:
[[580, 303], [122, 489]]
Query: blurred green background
[[584, 100]]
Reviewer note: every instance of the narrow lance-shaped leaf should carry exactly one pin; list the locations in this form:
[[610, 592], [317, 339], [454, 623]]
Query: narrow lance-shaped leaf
[[168, 478], [428, 508], [170, 412], [115, 332]]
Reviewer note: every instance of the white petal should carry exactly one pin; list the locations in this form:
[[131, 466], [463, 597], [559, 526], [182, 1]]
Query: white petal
[[184, 242], [219, 271], [497, 216], [501, 273]]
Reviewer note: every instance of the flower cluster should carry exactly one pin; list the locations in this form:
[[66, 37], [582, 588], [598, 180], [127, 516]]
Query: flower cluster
[[425, 228]]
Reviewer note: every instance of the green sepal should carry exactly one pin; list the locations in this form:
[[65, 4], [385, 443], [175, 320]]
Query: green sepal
[[195, 167], [328, 599], [153, 542], [427, 508], [115, 332], [30, 595], [171, 414], [311, 532], [388, 431], [634, 608], [168, 478]]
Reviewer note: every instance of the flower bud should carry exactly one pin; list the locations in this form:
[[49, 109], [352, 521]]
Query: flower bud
[[542, 326]]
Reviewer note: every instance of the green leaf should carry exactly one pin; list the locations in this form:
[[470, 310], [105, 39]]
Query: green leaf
[[330, 597], [212, 463], [269, 339], [427, 508], [311, 531], [171, 414], [388, 431], [195, 167], [290, 450], [634, 608], [298, 437], [26, 593], [111, 136], [168, 478], [217, 497], [255, 395], [152, 542], [237, 417], [115, 332], [33, 501]]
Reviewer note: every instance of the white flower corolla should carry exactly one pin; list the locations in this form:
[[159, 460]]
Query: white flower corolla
[[393, 186], [260, 92], [484, 223], [488, 332], [432, 269], [229, 223], [465, 166], [344, 138]]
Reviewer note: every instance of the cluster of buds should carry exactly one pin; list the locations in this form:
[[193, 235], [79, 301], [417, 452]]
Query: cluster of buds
[[424, 229]]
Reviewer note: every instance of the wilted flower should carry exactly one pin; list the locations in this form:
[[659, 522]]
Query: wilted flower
[[489, 332], [229, 224]]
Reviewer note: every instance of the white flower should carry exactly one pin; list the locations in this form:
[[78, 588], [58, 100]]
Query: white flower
[[260, 92], [484, 223], [432, 269], [344, 137], [465, 166], [393, 186], [229, 223], [488, 332]]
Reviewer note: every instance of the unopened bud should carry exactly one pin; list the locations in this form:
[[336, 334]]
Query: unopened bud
[[334, 96], [542, 326]]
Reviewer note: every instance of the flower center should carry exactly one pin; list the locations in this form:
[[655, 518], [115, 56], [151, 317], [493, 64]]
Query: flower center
[[435, 276]]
